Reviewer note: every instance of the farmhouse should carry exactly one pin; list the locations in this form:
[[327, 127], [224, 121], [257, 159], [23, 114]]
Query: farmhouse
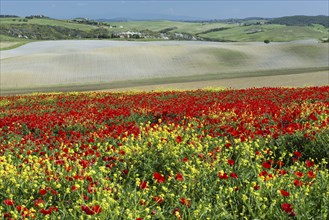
[[127, 34]]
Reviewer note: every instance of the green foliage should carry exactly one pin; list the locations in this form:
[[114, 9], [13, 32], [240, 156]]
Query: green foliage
[[46, 32], [300, 20]]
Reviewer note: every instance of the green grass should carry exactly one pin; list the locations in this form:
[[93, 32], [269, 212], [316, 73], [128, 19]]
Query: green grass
[[272, 32], [51, 22], [8, 38], [18, 42], [156, 26], [278, 33]]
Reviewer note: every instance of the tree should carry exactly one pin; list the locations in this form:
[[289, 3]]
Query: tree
[[100, 33], [266, 41]]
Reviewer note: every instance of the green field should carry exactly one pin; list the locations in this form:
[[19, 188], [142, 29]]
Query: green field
[[278, 33], [7, 43], [178, 27], [246, 31], [46, 21]]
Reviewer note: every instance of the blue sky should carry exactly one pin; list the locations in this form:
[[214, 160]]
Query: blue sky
[[169, 9]]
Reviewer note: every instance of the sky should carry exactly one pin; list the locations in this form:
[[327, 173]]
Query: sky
[[165, 9]]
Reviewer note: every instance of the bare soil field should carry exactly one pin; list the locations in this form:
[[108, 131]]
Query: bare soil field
[[85, 62]]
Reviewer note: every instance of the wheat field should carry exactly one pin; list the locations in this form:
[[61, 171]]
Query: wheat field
[[73, 62]]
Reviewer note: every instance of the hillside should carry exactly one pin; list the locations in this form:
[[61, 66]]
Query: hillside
[[18, 30], [301, 20], [76, 62]]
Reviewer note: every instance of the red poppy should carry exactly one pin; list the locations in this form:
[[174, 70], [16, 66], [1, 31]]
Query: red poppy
[[231, 162], [9, 202], [257, 187], [286, 207], [284, 193], [179, 139], [85, 197], [143, 185], [24, 211], [142, 202], [158, 199], [38, 201], [6, 215], [298, 154], [49, 211], [185, 202], [20, 208], [266, 165], [298, 183], [309, 163], [234, 175], [295, 159], [91, 189], [299, 174], [42, 192], [282, 172], [222, 176], [280, 163], [228, 145], [176, 211], [91, 210], [54, 192], [159, 177], [122, 152], [179, 177], [311, 174], [263, 173]]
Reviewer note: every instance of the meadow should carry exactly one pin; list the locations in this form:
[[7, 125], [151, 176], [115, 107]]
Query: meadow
[[203, 154]]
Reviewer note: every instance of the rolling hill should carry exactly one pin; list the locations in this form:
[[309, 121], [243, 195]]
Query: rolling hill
[[25, 29]]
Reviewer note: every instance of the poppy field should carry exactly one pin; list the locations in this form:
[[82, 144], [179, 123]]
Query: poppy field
[[205, 154]]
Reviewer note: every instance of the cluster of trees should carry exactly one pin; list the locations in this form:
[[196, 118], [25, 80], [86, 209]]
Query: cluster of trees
[[214, 30], [21, 20], [36, 16], [166, 30], [300, 20], [89, 22], [47, 32], [8, 16]]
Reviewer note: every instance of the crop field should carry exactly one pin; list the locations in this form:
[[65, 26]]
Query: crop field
[[67, 63], [203, 154]]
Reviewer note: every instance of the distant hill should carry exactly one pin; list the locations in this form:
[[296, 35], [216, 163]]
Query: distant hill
[[301, 20], [8, 16], [252, 29]]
